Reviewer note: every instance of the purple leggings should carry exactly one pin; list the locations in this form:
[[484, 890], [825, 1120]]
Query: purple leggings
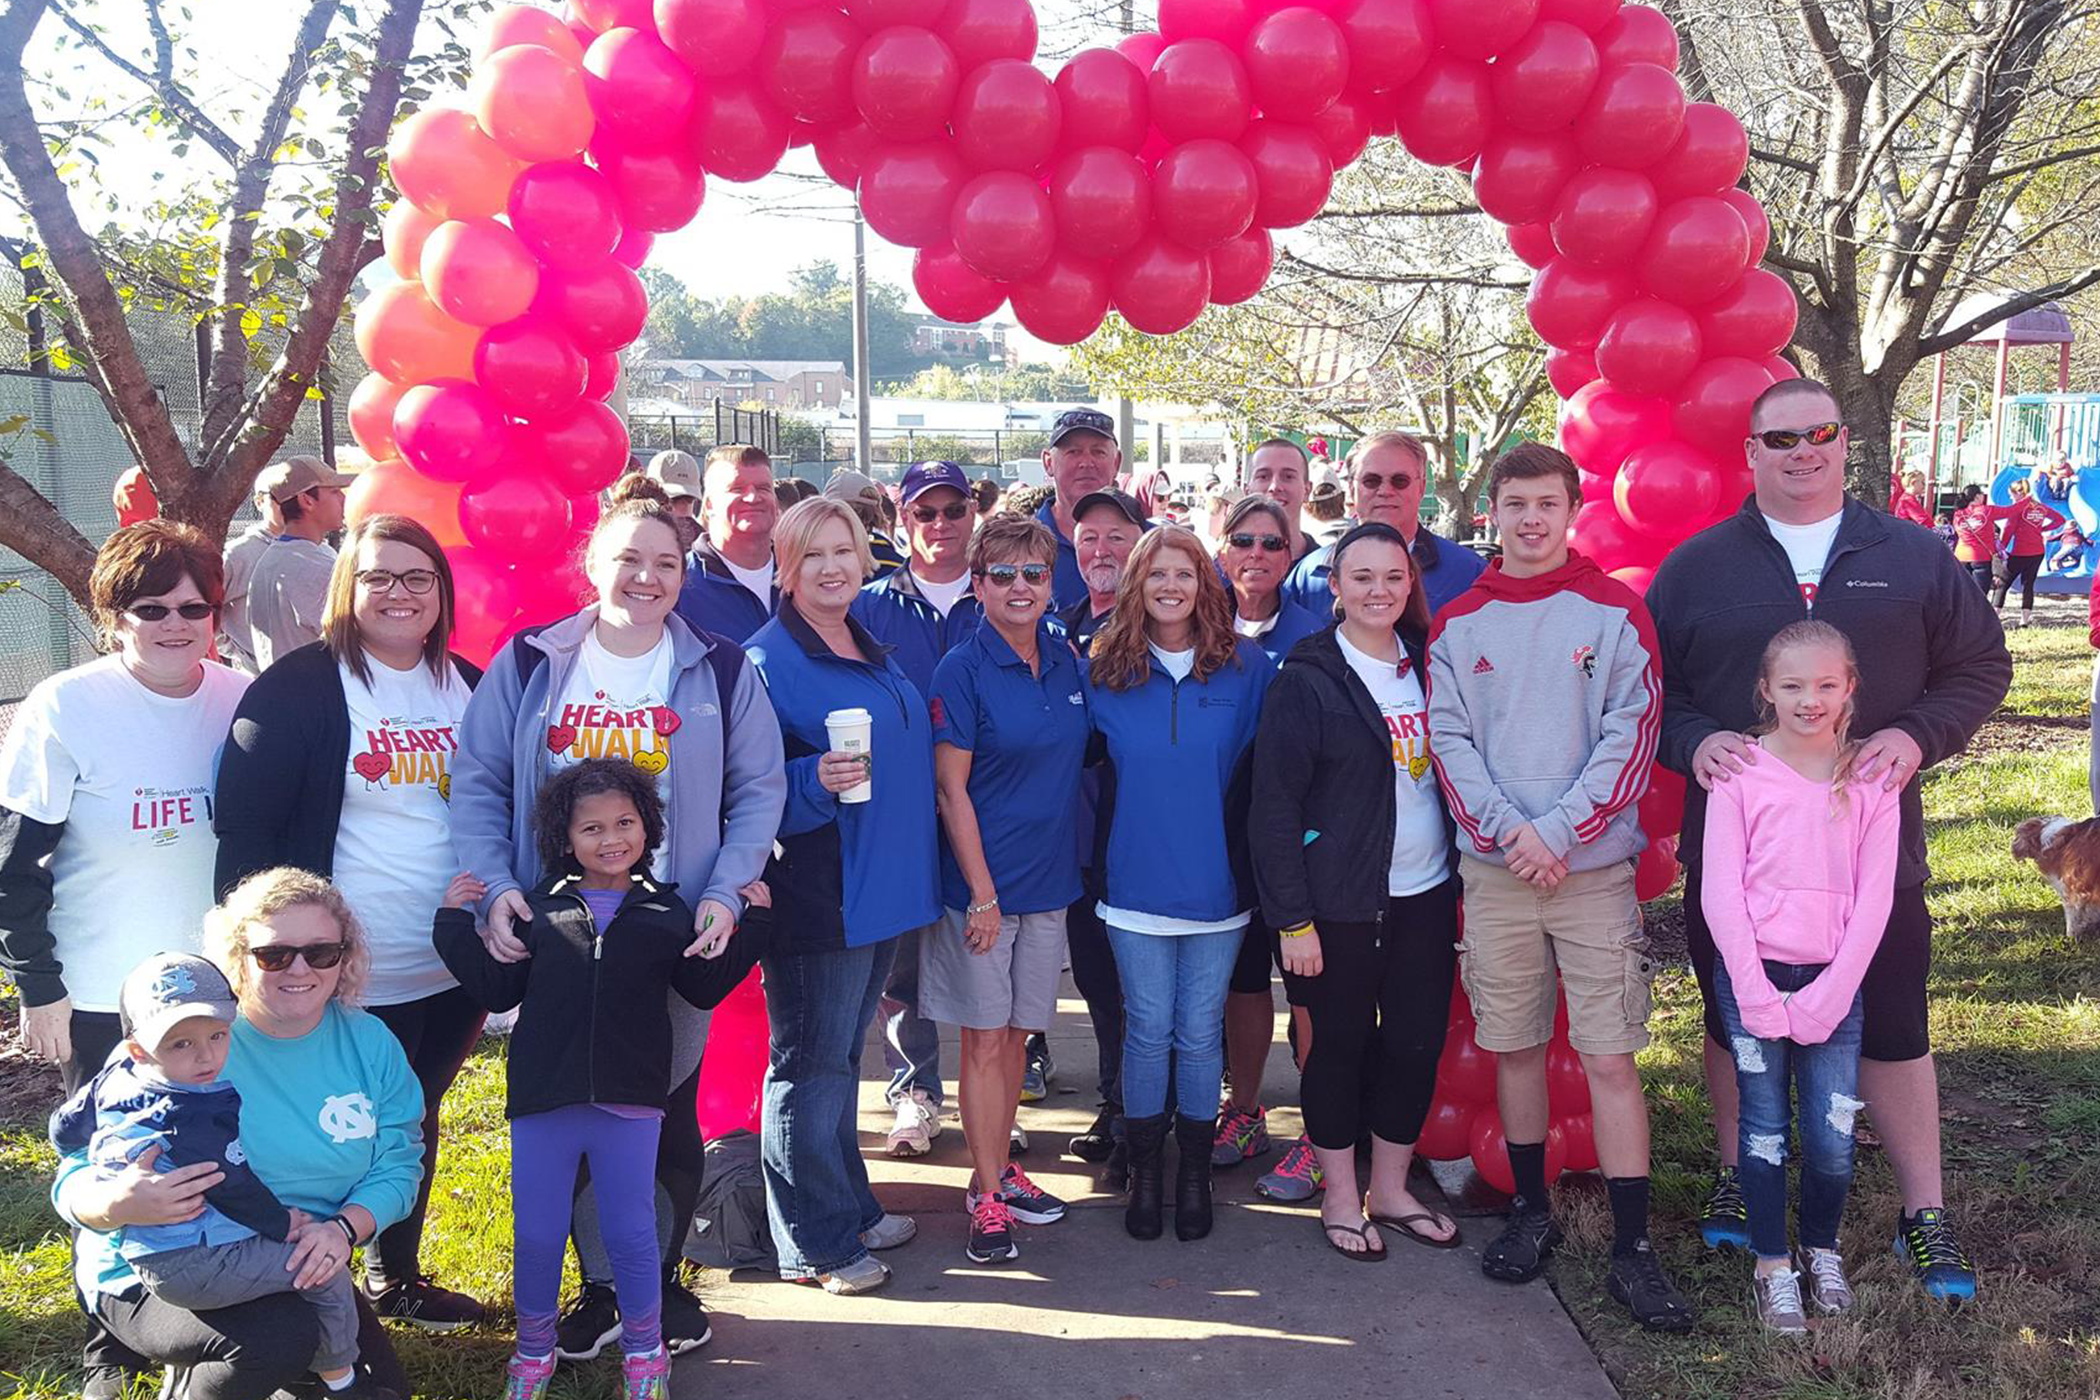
[[544, 1151]]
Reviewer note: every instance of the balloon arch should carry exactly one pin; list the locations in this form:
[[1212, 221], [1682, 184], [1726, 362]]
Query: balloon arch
[[1143, 178]]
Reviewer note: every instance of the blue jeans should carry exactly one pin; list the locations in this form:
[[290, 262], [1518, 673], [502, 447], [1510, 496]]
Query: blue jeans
[[1173, 1003], [911, 1044], [1825, 1078], [818, 1200]]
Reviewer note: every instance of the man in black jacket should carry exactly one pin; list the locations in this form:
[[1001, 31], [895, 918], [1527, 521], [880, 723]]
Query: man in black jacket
[[1932, 668]]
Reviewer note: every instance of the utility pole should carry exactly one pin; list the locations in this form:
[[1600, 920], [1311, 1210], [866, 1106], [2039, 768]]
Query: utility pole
[[860, 341]]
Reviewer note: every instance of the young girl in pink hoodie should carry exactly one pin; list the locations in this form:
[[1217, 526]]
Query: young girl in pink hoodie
[[1800, 864]]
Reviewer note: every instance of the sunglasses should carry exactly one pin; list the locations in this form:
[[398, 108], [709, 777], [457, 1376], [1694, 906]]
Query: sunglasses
[[1780, 439], [276, 957], [188, 612], [1271, 544], [1373, 481], [1004, 574], [417, 581], [957, 510]]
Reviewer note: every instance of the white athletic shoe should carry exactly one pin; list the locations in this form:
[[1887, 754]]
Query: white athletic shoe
[[918, 1124]]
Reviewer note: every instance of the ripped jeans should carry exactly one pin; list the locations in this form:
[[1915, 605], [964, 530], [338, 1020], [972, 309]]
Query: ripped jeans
[[1825, 1080]]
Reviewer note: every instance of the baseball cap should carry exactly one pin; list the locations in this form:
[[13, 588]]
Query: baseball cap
[[1082, 420], [921, 477], [167, 989], [295, 476], [677, 471], [1123, 501], [846, 483]]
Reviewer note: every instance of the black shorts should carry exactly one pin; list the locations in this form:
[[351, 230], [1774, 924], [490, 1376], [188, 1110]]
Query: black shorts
[[1892, 993], [1261, 957]]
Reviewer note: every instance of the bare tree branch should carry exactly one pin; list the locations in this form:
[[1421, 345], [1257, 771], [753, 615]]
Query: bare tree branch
[[161, 81]]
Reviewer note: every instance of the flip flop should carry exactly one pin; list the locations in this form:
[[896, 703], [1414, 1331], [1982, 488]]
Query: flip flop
[[1366, 1255], [1405, 1224]]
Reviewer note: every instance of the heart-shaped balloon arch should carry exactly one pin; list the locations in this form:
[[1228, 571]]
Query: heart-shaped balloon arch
[[1143, 178]]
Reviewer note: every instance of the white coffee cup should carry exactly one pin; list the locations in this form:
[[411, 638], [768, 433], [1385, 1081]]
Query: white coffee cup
[[852, 731]]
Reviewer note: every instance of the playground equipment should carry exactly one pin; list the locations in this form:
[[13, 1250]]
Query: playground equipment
[[2069, 564], [2047, 324]]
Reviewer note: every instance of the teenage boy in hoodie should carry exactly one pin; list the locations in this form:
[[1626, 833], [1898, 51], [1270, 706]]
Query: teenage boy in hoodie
[[1545, 700]]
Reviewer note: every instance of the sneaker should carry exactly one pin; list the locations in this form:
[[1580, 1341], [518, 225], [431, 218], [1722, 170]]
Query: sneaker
[[526, 1377], [1522, 1249], [865, 1276], [1036, 1072], [1296, 1178], [1724, 1221], [889, 1232], [585, 1328], [1030, 1203], [918, 1124], [646, 1377], [422, 1303], [1016, 1141], [1098, 1140], [1242, 1136], [1823, 1272], [991, 1231], [361, 1387], [104, 1383], [685, 1323], [1638, 1281], [1926, 1242], [1776, 1298]]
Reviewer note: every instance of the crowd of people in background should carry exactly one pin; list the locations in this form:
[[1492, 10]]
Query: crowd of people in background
[[2001, 545], [911, 753]]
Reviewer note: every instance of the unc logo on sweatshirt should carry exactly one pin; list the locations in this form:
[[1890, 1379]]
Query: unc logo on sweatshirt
[[347, 1117]]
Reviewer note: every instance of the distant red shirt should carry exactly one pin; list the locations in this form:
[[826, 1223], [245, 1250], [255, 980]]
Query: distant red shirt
[[2025, 524], [1905, 506], [1975, 533]]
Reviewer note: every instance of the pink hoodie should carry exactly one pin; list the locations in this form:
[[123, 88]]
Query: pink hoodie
[[1784, 880]]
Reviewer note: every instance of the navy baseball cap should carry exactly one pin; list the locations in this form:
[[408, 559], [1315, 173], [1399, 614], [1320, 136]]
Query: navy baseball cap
[[921, 477], [1125, 504], [1082, 420]]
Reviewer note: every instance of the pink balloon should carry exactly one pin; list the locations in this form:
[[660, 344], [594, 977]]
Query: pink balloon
[[371, 414], [1753, 319], [1226, 21], [1633, 117], [731, 1079], [1102, 198], [950, 289], [1199, 88], [1696, 251], [875, 15], [1344, 128], [1648, 346], [1754, 219], [1519, 175], [906, 191], [713, 38], [601, 307], [635, 243], [1447, 113], [1292, 172], [479, 272], [531, 367], [531, 101], [485, 598], [1779, 367], [1481, 28], [1587, 15], [1142, 49], [904, 82], [451, 430], [806, 65], [737, 133], [567, 213], [842, 150], [640, 91], [1240, 267], [1297, 63], [1064, 301], [1542, 82], [1002, 225], [654, 191], [406, 226], [978, 31], [1203, 192], [604, 375], [1713, 404], [1532, 243], [1105, 100], [1007, 117], [1160, 286], [1569, 370], [1710, 155], [1603, 216], [1389, 42], [1639, 34], [1601, 424], [601, 15], [515, 515], [581, 449], [1667, 488], [402, 334], [1568, 303]]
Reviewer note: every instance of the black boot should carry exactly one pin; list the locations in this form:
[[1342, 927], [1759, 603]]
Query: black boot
[[1193, 1136], [1148, 1141]]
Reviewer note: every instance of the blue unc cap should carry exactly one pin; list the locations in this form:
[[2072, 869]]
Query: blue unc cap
[[921, 477]]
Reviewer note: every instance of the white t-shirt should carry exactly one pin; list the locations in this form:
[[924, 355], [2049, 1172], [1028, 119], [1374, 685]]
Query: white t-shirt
[[286, 596], [1180, 664], [393, 844], [758, 580], [1421, 850], [1256, 627], [943, 596], [619, 707], [1807, 549], [130, 774]]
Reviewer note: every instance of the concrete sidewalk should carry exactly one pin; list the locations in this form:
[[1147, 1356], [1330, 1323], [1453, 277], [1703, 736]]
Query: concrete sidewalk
[[1261, 1307]]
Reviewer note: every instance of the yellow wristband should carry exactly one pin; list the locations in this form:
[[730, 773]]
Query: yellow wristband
[[1297, 930]]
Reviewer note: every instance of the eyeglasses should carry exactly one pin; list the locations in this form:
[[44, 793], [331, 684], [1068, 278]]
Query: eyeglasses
[[1372, 481], [276, 957], [926, 515], [417, 581], [1780, 439], [1271, 544], [1004, 574], [188, 612]]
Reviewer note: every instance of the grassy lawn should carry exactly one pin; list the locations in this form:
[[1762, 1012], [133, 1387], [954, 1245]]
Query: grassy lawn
[[2016, 1019]]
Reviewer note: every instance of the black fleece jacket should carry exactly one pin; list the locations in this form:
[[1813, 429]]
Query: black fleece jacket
[[1323, 763], [1932, 657]]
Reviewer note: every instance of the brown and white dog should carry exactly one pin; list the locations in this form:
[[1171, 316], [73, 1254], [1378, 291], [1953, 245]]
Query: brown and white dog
[[2068, 854]]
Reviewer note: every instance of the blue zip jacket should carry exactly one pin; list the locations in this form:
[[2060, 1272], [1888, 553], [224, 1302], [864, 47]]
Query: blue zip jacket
[[1177, 842], [1452, 574], [897, 614], [846, 875], [1067, 584], [1293, 625], [712, 600]]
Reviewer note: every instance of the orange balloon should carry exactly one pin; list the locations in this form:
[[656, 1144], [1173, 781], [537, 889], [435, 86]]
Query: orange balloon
[[441, 159], [405, 230], [523, 24], [402, 334], [395, 488], [372, 415], [532, 102]]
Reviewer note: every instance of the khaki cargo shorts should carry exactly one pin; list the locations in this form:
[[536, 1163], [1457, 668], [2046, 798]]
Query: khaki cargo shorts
[[1517, 935]]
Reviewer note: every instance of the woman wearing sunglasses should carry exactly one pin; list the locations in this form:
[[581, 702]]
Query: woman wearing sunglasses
[[330, 1115], [340, 762]]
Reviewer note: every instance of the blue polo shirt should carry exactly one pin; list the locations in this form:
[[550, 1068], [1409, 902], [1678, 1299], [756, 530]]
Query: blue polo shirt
[[1452, 574], [1027, 737], [1067, 584]]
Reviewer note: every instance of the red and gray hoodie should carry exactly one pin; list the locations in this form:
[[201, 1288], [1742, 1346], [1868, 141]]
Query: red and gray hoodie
[[1545, 702]]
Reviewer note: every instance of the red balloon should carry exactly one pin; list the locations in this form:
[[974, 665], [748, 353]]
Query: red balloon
[[1542, 82], [451, 430], [904, 83], [1667, 488], [1160, 286], [1389, 42], [1519, 175], [1064, 302], [655, 192], [1465, 1073], [1569, 370], [714, 38], [1297, 63], [532, 102], [1203, 192], [1002, 225], [1102, 197], [1481, 28], [1639, 34], [522, 24], [485, 598], [874, 15], [442, 161], [1198, 88], [1601, 424], [1633, 117], [1601, 535], [1532, 243], [1713, 404], [1491, 1151], [604, 375], [1587, 15], [601, 15], [1662, 806], [515, 515], [1239, 267], [1603, 216], [567, 213], [1383, 108], [1105, 101], [1292, 172], [1446, 114], [1007, 117], [1648, 346], [1447, 1133], [1344, 128], [1753, 216], [1581, 1134], [731, 1079], [1636, 576], [907, 191], [1568, 303], [978, 31], [479, 272], [641, 92], [531, 367], [394, 488], [805, 64], [737, 133], [601, 307], [403, 231], [635, 243], [1779, 367], [581, 449], [1142, 49], [1567, 1082], [1655, 873], [950, 289], [842, 150], [401, 333], [1695, 252], [371, 414], [1709, 156], [1226, 21], [1752, 319]]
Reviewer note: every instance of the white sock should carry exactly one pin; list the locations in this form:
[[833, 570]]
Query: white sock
[[341, 1382]]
